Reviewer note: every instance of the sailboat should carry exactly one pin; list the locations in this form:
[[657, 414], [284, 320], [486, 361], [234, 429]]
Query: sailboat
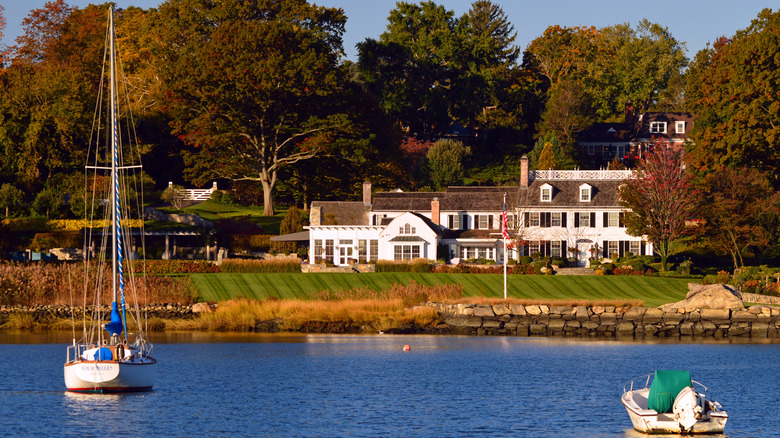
[[107, 358]]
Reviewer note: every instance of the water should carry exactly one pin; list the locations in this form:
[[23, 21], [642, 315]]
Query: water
[[366, 386]]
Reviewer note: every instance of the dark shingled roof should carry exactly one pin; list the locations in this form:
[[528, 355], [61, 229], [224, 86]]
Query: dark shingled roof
[[344, 212], [606, 133], [604, 193], [487, 199], [404, 201]]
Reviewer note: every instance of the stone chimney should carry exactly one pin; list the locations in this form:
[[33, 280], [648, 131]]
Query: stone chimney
[[435, 212], [366, 193], [315, 216], [524, 172], [629, 112]]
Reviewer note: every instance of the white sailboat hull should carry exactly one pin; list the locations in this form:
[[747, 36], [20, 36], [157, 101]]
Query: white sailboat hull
[[649, 421], [110, 376]]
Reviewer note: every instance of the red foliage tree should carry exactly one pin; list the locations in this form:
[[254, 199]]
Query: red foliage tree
[[660, 197]]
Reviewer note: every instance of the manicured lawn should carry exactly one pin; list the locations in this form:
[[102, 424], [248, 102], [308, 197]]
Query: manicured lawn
[[212, 211], [652, 290]]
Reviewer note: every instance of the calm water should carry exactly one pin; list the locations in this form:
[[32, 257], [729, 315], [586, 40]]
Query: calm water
[[355, 386]]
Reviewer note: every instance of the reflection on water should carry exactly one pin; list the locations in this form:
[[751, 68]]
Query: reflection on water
[[366, 385]]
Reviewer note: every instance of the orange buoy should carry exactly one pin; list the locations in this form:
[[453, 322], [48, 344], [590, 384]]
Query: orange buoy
[[407, 347]]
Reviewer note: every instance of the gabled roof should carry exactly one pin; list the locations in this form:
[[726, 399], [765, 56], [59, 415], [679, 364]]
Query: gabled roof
[[606, 133], [604, 193], [343, 212], [404, 201], [454, 199]]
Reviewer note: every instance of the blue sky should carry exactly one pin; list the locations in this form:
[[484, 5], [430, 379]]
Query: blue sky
[[694, 22]]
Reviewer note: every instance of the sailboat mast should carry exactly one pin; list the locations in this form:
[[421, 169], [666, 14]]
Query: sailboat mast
[[114, 139]]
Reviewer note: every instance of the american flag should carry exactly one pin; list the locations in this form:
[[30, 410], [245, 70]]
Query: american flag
[[504, 227]]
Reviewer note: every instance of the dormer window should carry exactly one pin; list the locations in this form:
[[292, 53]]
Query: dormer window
[[407, 229], [585, 193], [658, 127], [546, 193], [679, 127]]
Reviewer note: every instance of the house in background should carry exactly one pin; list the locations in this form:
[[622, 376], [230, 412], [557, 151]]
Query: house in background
[[603, 142], [572, 214]]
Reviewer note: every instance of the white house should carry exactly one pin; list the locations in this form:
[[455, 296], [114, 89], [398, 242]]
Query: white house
[[573, 214]]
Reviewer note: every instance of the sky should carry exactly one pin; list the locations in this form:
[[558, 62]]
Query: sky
[[693, 22]]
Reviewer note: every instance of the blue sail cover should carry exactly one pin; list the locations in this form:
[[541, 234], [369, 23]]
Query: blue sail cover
[[103, 353], [115, 327]]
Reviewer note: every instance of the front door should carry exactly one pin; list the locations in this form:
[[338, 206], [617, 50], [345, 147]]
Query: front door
[[345, 253], [583, 253]]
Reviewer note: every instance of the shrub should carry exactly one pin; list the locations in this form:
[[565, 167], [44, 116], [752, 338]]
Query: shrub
[[525, 260], [416, 265], [175, 195], [255, 266], [165, 267]]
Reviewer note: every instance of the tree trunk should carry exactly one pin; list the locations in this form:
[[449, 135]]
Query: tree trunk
[[268, 198]]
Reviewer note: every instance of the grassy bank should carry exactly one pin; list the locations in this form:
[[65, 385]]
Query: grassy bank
[[653, 291]]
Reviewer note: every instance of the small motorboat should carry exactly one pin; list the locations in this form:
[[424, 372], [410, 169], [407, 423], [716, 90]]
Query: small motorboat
[[672, 403]]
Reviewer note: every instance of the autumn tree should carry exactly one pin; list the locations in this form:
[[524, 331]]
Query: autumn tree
[[659, 197], [733, 90], [740, 210], [47, 100], [612, 65], [252, 85]]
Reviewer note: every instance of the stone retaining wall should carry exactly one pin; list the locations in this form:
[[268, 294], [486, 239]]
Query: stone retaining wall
[[49, 312], [540, 320]]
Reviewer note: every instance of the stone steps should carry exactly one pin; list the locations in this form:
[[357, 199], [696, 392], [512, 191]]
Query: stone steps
[[574, 271]]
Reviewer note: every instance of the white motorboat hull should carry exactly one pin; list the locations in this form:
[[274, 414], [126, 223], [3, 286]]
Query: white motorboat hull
[[649, 421], [110, 376]]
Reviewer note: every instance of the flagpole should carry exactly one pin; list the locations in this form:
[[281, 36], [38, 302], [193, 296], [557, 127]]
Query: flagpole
[[504, 233]]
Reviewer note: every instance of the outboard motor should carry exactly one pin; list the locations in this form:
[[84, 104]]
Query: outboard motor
[[688, 408]]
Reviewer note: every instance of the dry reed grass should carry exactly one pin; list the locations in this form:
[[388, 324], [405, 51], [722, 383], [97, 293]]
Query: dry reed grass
[[243, 314], [41, 283]]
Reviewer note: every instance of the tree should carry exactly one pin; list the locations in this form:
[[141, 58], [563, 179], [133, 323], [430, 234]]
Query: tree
[[253, 86], [2, 34], [10, 198], [547, 158], [430, 68], [739, 210], [568, 111], [48, 202], [292, 222], [613, 65], [175, 195], [562, 153], [660, 198], [733, 89], [445, 161]]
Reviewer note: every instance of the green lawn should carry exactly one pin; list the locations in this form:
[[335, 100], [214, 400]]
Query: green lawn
[[653, 291], [212, 211]]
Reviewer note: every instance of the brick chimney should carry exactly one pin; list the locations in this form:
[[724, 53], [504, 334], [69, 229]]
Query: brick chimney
[[435, 213], [366, 192], [629, 112], [524, 172]]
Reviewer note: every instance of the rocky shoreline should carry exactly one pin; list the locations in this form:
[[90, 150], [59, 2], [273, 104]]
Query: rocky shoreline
[[759, 321], [715, 311]]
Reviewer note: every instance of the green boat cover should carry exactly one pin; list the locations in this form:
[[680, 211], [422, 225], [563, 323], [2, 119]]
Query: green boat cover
[[665, 387]]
